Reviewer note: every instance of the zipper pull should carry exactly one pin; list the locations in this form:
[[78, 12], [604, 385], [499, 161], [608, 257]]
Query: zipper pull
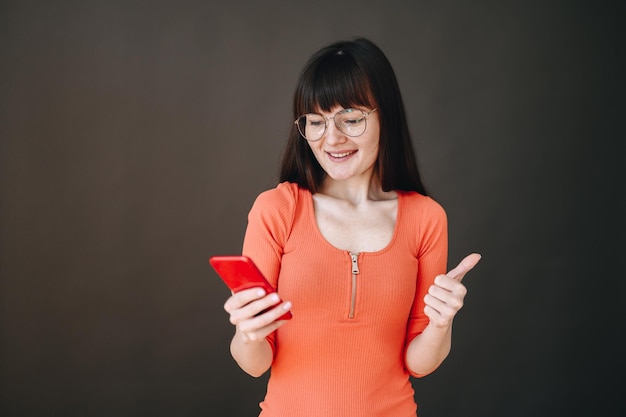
[[355, 264], [355, 271]]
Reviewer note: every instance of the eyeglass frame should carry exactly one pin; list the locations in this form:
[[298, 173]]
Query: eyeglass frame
[[327, 119]]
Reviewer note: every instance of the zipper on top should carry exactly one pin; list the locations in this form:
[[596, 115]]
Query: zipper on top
[[355, 272]]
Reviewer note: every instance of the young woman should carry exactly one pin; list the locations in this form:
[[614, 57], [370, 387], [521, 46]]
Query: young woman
[[355, 248]]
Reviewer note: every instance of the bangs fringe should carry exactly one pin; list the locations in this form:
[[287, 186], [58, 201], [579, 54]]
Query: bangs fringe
[[336, 81]]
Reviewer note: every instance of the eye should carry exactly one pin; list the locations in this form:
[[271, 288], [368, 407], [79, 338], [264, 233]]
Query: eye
[[352, 121]]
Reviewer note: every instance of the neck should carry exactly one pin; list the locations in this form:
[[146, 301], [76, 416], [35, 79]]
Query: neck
[[356, 190]]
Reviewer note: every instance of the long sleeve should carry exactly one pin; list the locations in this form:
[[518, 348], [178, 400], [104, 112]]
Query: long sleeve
[[269, 224], [432, 256]]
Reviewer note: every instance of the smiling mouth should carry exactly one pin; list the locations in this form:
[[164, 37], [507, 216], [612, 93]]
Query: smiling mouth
[[340, 154]]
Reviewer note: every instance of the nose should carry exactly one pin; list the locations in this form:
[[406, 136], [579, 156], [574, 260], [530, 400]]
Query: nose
[[333, 135]]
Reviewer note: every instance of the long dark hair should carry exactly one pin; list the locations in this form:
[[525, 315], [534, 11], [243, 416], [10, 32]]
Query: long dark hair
[[353, 73]]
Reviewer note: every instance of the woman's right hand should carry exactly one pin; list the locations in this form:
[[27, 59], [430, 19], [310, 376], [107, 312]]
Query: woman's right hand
[[244, 308]]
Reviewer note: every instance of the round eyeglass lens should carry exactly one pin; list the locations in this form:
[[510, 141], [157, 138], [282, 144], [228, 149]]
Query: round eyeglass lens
[[351, 122], [311, 126]]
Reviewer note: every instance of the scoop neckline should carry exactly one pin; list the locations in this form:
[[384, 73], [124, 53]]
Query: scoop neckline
[[396, 227]]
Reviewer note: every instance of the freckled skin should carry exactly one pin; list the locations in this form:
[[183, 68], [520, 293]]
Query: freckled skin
[[362, 150]]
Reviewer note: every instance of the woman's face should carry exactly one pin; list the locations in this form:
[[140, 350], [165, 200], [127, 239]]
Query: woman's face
[[344, 157]]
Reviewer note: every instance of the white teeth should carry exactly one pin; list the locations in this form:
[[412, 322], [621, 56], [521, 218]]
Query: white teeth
[[339, 155]]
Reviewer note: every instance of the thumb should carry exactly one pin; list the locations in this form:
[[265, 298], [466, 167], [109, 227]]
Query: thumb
[[464, 266]]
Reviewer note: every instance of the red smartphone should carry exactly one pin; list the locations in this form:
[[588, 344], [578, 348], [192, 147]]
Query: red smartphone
[[239, 273]]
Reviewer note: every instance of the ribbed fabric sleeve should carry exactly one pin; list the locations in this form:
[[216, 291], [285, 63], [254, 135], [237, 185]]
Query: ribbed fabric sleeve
[[327, 362], [269, 224]]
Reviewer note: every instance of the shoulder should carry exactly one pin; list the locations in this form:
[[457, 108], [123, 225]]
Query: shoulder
[[284, 194], [423, 206], [429, 220], [276, 204], [270, 221]]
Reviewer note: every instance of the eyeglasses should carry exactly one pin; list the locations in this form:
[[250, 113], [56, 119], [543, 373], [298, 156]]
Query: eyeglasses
[[351, 122]]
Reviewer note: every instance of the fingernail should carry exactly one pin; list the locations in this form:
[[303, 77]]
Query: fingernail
[[260, 292], [287, 305], [274, 297]]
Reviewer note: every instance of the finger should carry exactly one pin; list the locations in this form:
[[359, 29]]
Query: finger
[[439, 314], [241, 298], [447, 289], [266, 319], [262, 333], [254, 308], [443, 300], [464, 266]]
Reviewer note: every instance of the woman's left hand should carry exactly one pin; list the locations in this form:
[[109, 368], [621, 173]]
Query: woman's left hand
[[445, 296]]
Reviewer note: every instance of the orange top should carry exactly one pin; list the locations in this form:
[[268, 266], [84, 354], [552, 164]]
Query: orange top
[[342, 354]]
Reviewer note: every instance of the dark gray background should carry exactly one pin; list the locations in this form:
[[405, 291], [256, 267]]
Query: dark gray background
[[134, 136]]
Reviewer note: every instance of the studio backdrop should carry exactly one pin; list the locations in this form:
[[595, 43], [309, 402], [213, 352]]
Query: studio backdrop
[[135, 136]]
